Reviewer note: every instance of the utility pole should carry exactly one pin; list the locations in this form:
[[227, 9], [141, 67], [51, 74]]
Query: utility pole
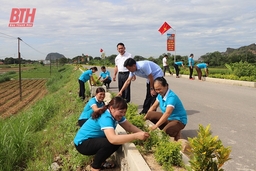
[[50, 65], [19, 39]]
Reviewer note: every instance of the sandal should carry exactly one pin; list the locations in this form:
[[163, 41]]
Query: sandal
[[108, 165]]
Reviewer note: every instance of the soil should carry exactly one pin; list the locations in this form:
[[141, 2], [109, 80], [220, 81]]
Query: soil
[[10, 100], [154, 166]]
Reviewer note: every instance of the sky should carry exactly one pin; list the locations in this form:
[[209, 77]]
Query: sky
[[76, 27]]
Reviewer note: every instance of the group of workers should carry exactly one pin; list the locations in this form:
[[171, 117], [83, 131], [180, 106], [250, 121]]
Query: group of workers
[[98, 120]]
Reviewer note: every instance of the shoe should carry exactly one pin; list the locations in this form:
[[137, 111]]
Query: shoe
[[108, 165]]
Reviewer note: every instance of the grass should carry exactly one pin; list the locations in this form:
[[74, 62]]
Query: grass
[[34, 139]]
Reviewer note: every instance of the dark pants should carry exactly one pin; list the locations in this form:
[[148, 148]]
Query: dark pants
[[172, 128], [81, 89], [190, 72], [100, 147], [107, 82], [168, 69], [177, 69], [122, 77], [149, 100], [81, 122], [199, 72]]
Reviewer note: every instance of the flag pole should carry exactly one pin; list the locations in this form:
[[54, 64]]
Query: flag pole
[[174, 45]]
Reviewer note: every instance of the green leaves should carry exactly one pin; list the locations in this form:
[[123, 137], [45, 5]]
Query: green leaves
[[208, 153]]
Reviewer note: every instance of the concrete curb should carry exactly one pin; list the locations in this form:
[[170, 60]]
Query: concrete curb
[[134, 159], [226, 81]]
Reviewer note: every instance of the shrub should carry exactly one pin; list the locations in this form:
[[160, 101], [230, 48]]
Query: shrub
[[208, 153]]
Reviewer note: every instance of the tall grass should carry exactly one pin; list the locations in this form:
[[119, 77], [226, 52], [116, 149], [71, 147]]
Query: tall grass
[[31, 139]]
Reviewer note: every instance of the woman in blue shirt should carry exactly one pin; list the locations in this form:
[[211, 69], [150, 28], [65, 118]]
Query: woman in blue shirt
[[176, 67], [93, 105], [199, 71], [191, 65], [105, 75], [173, 117], [84, 77], [97, 136]]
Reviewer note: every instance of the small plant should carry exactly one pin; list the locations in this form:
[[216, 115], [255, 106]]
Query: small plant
[[168, 154], [208, 153]]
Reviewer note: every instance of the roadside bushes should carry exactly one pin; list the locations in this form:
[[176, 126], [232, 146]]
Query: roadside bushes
[[207, 152], [7, 76]]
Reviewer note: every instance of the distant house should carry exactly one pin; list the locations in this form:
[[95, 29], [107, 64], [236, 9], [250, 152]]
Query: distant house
[[1, 63]]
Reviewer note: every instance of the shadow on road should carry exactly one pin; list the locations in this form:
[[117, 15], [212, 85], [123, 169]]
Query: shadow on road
[[191, 112], [188, 133]]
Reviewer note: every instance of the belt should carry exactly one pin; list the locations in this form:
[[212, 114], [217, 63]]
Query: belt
[[123, 72]]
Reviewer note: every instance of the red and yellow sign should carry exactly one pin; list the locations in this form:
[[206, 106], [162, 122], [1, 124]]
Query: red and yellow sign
[[170, 42]]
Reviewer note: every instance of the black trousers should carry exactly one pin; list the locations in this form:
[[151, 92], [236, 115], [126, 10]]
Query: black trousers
[[81, 89], [177, 69], [100, 147], [107, 82], [149, 100], [168, 69], [191, 72], [122, 77]]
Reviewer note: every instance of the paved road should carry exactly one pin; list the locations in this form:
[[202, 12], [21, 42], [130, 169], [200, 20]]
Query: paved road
[[231, 111]]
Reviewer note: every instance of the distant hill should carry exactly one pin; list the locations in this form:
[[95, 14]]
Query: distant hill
[[250, 48], [54, 56]]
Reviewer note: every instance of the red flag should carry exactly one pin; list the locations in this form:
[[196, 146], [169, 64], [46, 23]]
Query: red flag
[[101, 50], [164, 28]]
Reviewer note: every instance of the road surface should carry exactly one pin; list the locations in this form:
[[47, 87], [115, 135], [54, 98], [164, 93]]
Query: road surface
[[229, 109]]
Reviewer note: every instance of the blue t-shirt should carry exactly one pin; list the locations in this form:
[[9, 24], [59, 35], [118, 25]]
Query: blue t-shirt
[[145, 68], [171, 99], [87, 112], [190, 61], [94, 128], [105, 74], [202, 65], [180, 63], [85, 76]]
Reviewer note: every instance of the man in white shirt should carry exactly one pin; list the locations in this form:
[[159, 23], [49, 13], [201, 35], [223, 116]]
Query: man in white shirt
[[122, 71], [165, 65]]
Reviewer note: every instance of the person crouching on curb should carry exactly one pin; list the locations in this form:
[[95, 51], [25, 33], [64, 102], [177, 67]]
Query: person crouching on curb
[[94, 104], [173, 117], [97, 136]]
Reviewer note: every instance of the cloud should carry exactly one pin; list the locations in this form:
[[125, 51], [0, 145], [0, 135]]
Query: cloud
[[75, 27]]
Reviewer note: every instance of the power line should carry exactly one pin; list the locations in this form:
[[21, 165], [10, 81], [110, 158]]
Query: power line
[[32, 47], [8, 35]]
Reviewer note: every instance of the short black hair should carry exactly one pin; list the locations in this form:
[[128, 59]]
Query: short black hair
[[120, 44], [94, 68], [129, 62], [165, 55], [103, 67]]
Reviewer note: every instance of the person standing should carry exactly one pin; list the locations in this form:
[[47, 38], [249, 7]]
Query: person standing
[[191, 65], [199, 71], [84, 77], [97, 136], [176, 67], [122, 71], [173, 116], [165, 65], [145, 69], [93, 105], [105, 75]]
